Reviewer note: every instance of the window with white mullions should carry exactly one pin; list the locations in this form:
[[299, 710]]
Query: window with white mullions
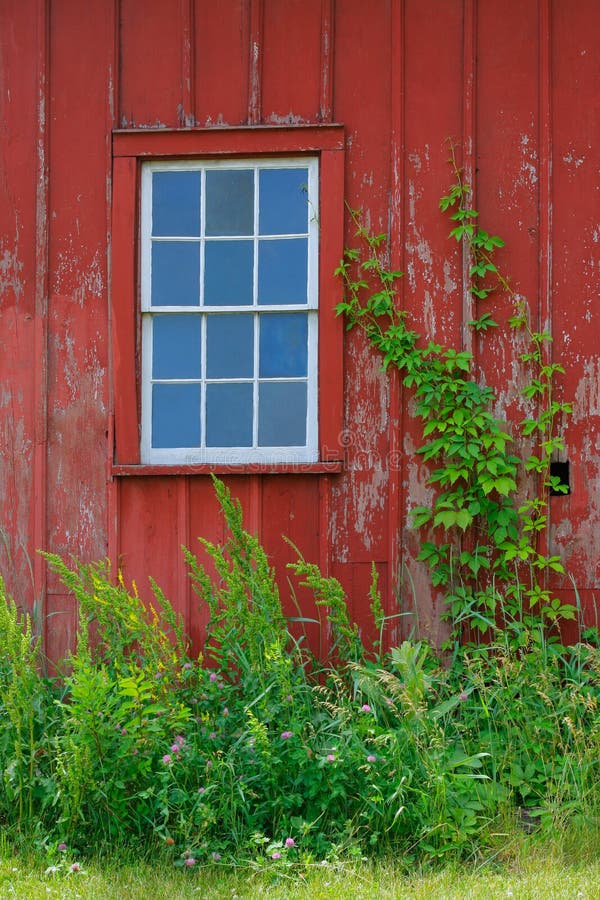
[[229, 275]]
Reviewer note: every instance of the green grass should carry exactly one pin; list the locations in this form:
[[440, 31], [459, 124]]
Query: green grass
[[567, 869]]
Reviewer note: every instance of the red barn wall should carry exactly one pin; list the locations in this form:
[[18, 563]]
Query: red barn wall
[[516, 84]]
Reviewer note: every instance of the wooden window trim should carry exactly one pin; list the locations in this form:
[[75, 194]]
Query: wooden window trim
[[130, 149]]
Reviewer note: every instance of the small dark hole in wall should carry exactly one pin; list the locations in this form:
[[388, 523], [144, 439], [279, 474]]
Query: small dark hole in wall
[[560, 470]]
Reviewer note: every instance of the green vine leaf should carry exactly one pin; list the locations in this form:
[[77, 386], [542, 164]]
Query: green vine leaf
[[465, 445]]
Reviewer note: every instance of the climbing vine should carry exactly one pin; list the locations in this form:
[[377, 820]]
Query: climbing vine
[[482, 531]]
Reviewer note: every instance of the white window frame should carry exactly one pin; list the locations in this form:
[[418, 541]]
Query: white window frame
[[234, 456]]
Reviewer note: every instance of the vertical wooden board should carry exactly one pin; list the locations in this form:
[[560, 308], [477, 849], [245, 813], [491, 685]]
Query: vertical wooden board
[[512, 196], [149, 538], [80, 86], [356, 579], [19, 112], [61, 625], [434, 88], [432, 290], [290, 512], [155, 60], [576, 277], [291, 58], [507, 190], [361, 93], [206, 520], [222, 47], [124, 312]]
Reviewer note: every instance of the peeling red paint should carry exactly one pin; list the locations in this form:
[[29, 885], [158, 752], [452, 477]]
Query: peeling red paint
[[511, 83]]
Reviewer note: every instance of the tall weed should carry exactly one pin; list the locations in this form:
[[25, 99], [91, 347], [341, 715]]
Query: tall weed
[[259, 749]]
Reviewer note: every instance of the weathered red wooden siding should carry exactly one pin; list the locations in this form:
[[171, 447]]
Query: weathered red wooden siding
[[515, 84]]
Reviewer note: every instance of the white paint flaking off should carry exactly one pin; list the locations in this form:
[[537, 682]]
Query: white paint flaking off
[[528, 167], [360, 501], [11, 268], [289, 119], [415, 159], [89, 279], [218, 122], [572, 160], [429, 310], [369, 499], [417, 246], [587, 393], [450, 284]]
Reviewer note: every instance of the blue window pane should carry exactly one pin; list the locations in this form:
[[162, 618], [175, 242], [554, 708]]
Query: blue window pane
[[283, 201], [230, 201], [283, 271], [175, 415], [175, 273], [282, 414], [176, 204], [283, 345], [176, 346], [230, 346], [228, 273], [228, 415]]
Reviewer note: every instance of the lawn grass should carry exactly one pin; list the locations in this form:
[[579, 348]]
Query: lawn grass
[[566, 869]]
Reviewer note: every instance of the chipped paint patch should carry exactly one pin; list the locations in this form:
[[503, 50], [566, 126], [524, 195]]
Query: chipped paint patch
[[11, 268], [289, 119], [587, 393], [572, 160]]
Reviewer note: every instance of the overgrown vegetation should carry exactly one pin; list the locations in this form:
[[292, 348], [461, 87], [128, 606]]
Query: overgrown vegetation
[[256, 752], [481, 535], [260, 754]]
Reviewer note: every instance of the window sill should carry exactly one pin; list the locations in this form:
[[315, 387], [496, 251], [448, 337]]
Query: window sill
[[331, 467]]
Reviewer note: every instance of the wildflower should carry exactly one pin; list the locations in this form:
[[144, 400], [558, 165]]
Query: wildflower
[[286, 734], [167, 759], [216, 857], [365, 708], [213, 735], [62, 847], [187, 665], [225, 711], [190, 861], [212, 676], [330, 757], [276, 855], [123, 731], [175, 748], [201, 790], [464, 696], [169, 841], [290, 842], [289, 698], [371, 758], [75, 867], [180, 740], [51, 870], [209, 763]]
